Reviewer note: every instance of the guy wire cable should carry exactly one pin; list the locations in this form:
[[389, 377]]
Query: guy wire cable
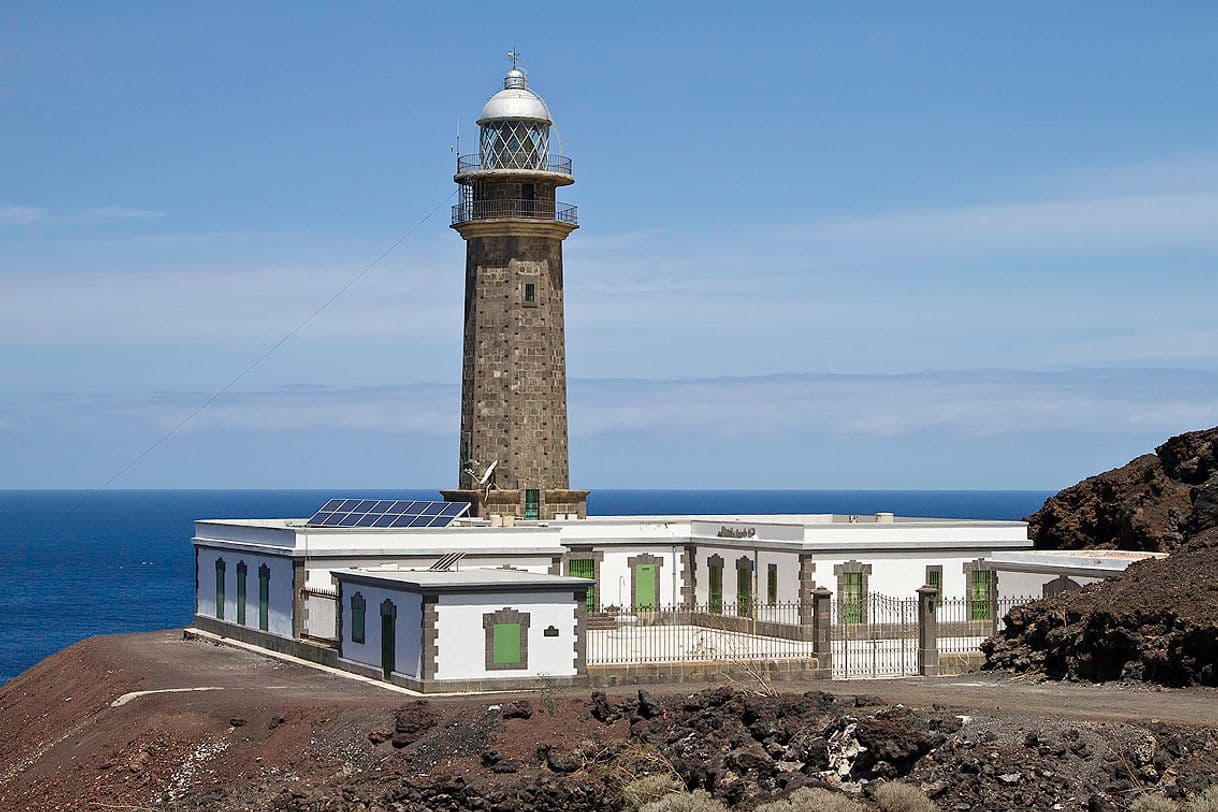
[[258, 361]]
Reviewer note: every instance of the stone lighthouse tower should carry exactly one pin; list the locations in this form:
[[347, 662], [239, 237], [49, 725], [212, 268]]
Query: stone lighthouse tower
[[513, 447]]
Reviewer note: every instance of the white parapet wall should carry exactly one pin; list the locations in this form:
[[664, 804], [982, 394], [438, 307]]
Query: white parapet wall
[[464, 643], [209, 561]]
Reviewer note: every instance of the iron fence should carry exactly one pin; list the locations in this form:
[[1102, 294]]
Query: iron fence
[[707, 632], [470, 210], [964, 623], [874, 635], [521, 159]]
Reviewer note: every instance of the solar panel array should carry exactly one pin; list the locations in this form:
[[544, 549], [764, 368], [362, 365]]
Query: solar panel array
[[387, 513]]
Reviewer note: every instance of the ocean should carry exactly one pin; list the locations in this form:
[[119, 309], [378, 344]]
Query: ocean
[[122, 561]]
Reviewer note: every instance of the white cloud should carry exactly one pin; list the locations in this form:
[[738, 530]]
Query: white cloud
[[33, 215], [973, 404], [22, 215]]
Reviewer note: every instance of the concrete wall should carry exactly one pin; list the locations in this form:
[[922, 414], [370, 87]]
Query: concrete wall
[[280, 608], [408, 638], [461, 636], [1025, 584], [319, 569], [900, 574], [615, 584]]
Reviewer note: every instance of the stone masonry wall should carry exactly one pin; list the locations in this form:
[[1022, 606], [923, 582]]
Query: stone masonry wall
[[514, 378]]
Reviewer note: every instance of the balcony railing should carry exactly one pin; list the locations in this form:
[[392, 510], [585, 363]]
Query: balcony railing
[[523, 159], [471, 210]]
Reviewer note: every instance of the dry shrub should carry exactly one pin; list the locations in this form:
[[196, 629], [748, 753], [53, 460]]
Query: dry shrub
[[1205, 802], [642, 791], [697, 801], [1153, 803], [807, 799], [898, 797]]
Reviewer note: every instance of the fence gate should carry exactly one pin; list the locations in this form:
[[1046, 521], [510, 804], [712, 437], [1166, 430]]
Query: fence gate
[[874, 635]]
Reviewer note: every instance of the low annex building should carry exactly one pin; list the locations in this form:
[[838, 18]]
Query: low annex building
[[461, 603]]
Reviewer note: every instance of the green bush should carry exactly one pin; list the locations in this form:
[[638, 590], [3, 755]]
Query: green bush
[[697, 801], [806, 799], [898, 797], [1153, 803]]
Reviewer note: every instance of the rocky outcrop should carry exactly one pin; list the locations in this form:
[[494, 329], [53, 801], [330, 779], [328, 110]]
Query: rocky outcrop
[[1158, 622], [1155, 502]]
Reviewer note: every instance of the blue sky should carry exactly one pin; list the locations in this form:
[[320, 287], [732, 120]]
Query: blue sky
[[822, 245]]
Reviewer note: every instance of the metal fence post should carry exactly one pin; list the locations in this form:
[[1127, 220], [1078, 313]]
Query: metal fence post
[[928, 631], [822, 620], [993, 602]]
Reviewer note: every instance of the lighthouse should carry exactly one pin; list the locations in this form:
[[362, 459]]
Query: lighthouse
[[513, 458]]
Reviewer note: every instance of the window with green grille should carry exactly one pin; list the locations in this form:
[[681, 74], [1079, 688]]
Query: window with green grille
[[584, 568], [716, 588], [771, 584], [505, 644], [981, 584], [241, 572], [359, 609], [744, 592], [220, 589], [934, 577], [264, 597], [532, 503], [852, 597]]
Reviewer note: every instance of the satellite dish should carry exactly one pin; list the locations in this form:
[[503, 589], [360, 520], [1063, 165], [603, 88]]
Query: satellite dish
[[490, 470]]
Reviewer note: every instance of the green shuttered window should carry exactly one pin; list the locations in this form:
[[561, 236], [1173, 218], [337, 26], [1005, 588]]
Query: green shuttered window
[[505, 644], [716, 588], [264, 597], [852, 597], [584, 568], [220, 589], [358, 618], [744, 592], [241, 572], [771, 584], [980, 584]]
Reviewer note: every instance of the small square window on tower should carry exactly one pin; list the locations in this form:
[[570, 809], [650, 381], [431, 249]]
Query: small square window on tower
[[530, 294]]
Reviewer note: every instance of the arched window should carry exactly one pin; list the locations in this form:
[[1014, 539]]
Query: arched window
[[219, 589], [241, 572], [358, 618], [264, 597]]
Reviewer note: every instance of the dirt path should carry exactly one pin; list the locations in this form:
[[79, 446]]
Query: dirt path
[[201, 714]]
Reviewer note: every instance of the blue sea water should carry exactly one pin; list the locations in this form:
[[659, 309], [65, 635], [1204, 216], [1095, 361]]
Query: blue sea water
[[122, 560]]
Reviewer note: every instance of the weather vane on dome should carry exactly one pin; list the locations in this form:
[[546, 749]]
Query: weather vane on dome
[[514, 55]]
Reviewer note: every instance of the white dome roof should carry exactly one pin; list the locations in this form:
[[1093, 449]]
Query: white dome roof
[[515, 101]]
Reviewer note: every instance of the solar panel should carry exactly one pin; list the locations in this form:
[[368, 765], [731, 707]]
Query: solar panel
[[387, 513]]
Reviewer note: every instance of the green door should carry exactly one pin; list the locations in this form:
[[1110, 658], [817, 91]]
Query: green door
[[584, 568], [645, 588], [716, 590], [532, 503], [220, 592], [388, 645]]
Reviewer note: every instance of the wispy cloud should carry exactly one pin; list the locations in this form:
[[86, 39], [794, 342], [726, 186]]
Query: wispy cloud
[[33, 215], [979, 403]]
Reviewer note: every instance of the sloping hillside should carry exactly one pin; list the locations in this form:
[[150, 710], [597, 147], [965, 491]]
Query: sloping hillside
[[1154, 502]]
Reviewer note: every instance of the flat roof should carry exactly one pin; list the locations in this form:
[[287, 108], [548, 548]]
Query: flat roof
[[459, 580], [811, 521]]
